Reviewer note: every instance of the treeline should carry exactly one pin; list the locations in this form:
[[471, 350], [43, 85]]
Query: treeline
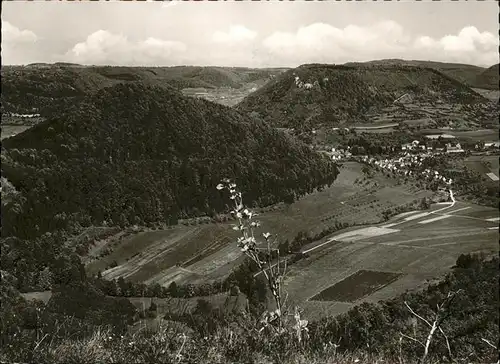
[[242, 276], [423, 204], [74, 311], [41, 263], [28, 90]]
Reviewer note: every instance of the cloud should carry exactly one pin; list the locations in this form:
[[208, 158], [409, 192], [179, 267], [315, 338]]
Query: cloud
[[235, 35], [104, 47], [12, 34], [468, 46], [320, 42], [18, 45]]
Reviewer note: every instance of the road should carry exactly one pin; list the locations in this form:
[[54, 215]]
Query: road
[[386, 228]]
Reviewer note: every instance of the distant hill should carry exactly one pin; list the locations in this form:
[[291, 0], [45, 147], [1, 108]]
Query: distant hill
[[319, 94], [136, 154], [465, 73], [489, 78], [43, 88]]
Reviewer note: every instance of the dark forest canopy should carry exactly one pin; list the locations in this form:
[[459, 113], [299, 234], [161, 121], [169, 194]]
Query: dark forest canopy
[[135, 154]]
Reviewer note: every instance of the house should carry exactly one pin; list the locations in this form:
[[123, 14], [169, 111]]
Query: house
[[411, 146], [442, 136], [454, 148], [492, 145]]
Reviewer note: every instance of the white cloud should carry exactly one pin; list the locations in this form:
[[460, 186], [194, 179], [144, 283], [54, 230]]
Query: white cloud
[[12, 34], [468, 46], [320, 42], [236, 34], [104, 47], [18, 45]]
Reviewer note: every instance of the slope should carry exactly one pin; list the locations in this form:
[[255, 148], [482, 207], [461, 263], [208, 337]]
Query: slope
[[43, 88], [135, 154], [489, 78], [316, 94], [465, 73]]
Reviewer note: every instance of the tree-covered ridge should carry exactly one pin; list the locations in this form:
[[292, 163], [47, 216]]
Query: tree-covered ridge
[[28, 90], [43, 88], [465, 73], [317, 94], [133, 154], [489, 78]]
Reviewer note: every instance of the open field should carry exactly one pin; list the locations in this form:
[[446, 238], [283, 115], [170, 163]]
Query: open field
[[11, 130], [385, 127], [358, 264], [482, 163], [375, 127], [485, 165], [43, 296], [356, 286], [419, 246], [224, 95], [486, 135], [207, 252]]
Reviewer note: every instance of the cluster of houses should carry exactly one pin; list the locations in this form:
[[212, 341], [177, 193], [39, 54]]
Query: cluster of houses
[[340, 154], [408, 165], [417, 146]]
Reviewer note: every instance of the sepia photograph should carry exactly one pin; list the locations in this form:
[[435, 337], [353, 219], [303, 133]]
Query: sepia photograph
[[254, 182]]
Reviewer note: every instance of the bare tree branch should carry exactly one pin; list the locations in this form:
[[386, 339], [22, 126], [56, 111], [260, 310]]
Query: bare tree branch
[[417, 315], [412, 338], [489, 343], [447, 342], [439, 316]]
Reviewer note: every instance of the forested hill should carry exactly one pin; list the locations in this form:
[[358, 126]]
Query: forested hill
[[465, 73], [44, 88], [135, 154], [489, 78], [319, 94]]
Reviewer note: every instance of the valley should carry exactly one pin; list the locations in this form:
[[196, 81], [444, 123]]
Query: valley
[[376, 179], [343, 202]]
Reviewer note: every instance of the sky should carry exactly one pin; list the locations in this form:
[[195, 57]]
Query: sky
[[248, 34]]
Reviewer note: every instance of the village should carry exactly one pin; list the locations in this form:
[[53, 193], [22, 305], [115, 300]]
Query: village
[[411, 159], [436, 145]]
